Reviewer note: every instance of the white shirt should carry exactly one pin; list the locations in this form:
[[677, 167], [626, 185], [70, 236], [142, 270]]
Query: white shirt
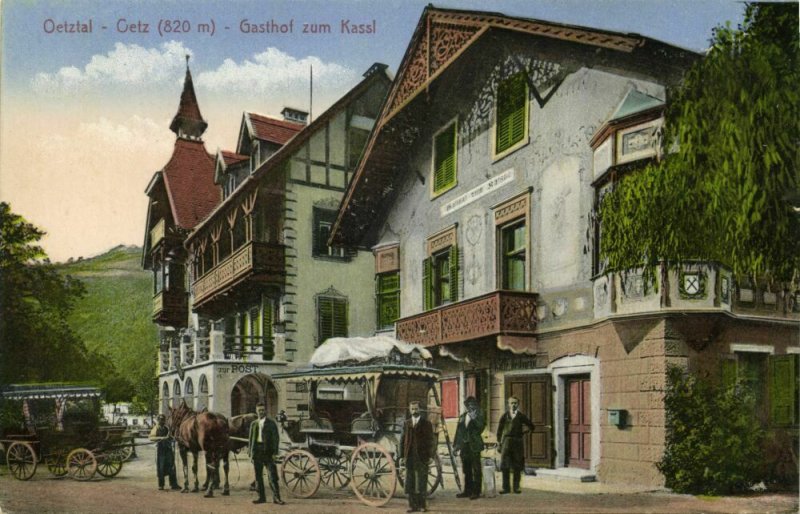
[[260, 429], [513, 414], [414, 420]]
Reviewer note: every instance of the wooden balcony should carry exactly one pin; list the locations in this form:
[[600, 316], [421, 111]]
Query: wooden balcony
[[496, 313], [170, 308], [261, 262]]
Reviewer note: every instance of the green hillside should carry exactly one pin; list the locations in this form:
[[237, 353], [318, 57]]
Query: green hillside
[[114, 318]]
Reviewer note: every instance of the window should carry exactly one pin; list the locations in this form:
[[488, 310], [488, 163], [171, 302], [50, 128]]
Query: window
[[773, 380], [323, 223], [511, 124], [440, 278], [450, 398], [388, 298], [444, 159], [158, 278], [513, 250], [331, 317]]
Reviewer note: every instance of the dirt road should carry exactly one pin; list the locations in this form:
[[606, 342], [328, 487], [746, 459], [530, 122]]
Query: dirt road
[[134, 490]]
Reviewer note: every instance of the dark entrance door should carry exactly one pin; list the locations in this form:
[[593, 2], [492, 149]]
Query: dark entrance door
[[579, 421], [535, 400]]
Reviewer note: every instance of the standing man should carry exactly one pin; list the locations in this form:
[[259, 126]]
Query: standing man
[[165, 453], [417, 446], [263, 448], [469, 444], [512, 450]]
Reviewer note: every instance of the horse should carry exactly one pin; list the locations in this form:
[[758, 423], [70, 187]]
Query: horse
[[196, 432]]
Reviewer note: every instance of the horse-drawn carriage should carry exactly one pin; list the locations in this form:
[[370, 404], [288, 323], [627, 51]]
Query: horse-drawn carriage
[[59, 425], [358, 395]]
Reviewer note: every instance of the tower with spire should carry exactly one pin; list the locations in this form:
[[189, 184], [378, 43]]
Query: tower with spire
[[188, 123]]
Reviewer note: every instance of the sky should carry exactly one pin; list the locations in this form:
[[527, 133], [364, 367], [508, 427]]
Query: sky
[[84, 117]]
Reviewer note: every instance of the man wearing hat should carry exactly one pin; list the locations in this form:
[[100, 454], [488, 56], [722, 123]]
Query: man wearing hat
[[165, 454], [510, 431], [469, 444]]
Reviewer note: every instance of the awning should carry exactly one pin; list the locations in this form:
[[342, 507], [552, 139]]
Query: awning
[[360, 373], [48, 392]]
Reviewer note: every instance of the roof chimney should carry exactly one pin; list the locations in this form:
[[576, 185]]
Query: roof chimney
[[295, 115]]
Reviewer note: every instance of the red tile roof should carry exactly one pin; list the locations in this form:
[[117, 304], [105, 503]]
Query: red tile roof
[[189, 180], [273, 130], [232, 157]]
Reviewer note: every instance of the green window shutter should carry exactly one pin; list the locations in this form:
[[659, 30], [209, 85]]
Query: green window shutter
[[453, 273], [427, 284], [444, 175], [325, 307], [512, 111], [728, 373], [339, 317], [268, 348], [783, 376]]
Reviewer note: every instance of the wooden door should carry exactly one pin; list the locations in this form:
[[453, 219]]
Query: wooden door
[[535, 401], [579, 422]]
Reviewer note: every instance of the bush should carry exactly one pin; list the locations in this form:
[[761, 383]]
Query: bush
[[713, 443]]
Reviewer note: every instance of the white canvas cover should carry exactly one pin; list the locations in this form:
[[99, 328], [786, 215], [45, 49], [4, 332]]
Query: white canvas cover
[[362, 349]]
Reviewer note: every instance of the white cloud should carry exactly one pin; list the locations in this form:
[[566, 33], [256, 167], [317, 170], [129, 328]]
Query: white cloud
[[130, 65], [274, 72]]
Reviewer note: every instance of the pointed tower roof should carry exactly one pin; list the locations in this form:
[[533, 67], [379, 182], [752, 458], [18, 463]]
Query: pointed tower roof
[[187, 121]]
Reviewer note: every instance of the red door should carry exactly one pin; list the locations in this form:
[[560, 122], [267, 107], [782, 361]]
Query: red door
[[579, 422]]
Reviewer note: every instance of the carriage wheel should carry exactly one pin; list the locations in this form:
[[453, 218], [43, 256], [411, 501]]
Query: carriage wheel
[[126, 452], [373, 475], [21, 460], [300, 473], [81, 464], [57, 462], [334, 470], [434, 475], [109, 464]]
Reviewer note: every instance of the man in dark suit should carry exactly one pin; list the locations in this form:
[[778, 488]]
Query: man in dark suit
[[512, 449], [165, 454], [417, 447], [469, 444], [263, 447]]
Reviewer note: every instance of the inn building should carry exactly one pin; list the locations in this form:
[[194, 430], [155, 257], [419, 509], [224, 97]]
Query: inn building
[[245, 283], [478, 197]]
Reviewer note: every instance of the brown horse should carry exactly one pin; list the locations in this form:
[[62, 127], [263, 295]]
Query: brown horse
[[195, 432]]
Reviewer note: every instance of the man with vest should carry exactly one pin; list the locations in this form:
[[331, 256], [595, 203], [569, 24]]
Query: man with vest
[[165, 454], [469, 444], [263, 448], [512, 449]]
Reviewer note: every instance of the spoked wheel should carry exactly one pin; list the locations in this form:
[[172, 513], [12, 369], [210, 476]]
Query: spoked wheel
[[334, 470], [57, 462], [434, 475], [81, 464], [21, 460], [126, 452], [373, 475], [109, 464], [300, 473]]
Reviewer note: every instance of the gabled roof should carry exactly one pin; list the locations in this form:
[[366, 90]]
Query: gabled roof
[[270, 129], [635, 102], [377, 71], [189, 181], [224, 159], [442, 37]]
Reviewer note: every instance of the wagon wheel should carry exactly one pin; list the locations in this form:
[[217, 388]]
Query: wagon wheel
[[300, 473], [334, 470], [373, 475], [126, 451], [21, 460], [57, 462], [109, 464], [81, 464], [434, 475]]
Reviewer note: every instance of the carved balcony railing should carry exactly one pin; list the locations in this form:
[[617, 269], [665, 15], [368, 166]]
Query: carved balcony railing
[[170, 308], [157, 233], [496, 313], [259, 261]]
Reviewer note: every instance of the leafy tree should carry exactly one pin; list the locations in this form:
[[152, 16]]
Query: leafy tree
[[36, 342], [725, 190], [713, 442]]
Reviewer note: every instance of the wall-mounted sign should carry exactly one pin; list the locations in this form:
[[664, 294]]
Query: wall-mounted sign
[[484, 189]]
